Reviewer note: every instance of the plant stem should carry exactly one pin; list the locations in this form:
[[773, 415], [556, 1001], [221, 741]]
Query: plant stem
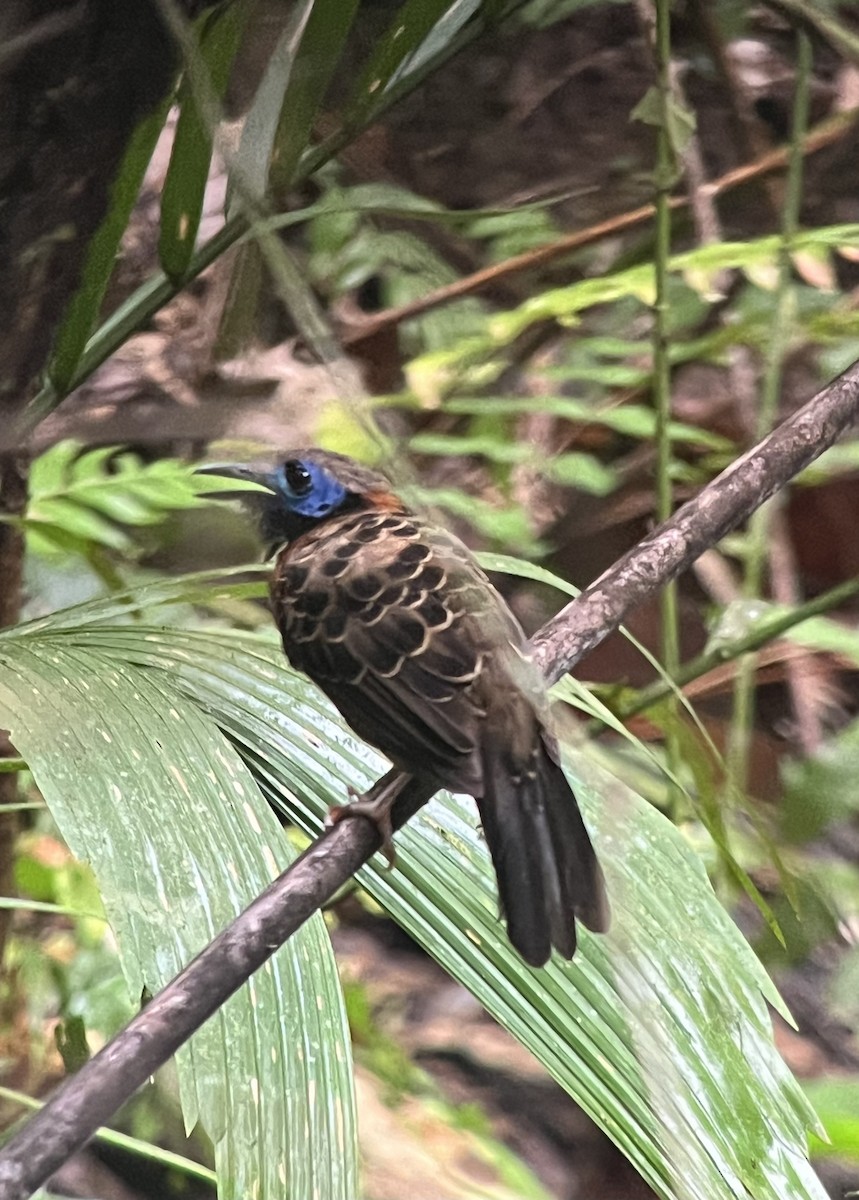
[[767, 630], [666, 173], [10, 766], [740, 733]]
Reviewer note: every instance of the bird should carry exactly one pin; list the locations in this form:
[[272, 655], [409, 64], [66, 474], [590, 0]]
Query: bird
[[393, 618]]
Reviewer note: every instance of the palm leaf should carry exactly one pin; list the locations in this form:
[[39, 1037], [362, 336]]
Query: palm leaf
[[146, 788], [660, 1030]]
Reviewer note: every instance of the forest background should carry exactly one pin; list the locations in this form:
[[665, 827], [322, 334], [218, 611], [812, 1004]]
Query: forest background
[[555, 265]]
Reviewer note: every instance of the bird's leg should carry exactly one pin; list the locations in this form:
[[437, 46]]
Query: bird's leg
[[376, 805]]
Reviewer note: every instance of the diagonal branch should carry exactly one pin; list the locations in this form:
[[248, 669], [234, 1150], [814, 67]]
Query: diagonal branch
[[359, 329], [702, 522], [90, 1097]]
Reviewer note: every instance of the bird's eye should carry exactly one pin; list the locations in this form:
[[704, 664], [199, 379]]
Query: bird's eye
[[298, 478]]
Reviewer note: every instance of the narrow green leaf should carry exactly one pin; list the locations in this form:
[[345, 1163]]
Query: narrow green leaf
[[197, 588], [50, 470], [278, 124], [64, 513], [632, 420], [276, 133], [49, 541], [131, 1145], [409, 28], [82, 313], [43, 906], [253, 157], [444, 34], [119, 505], [322, 42], [824, 634], [185, 182], [238, 321], [89, 464], [495, 448]]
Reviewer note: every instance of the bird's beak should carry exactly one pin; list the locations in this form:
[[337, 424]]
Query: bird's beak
[[238, 478]]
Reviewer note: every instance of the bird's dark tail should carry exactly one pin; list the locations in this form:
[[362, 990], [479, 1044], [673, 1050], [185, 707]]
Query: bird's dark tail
[[546, 867]]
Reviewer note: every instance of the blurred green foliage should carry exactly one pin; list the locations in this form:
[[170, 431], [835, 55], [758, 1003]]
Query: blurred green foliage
[[474, 392]]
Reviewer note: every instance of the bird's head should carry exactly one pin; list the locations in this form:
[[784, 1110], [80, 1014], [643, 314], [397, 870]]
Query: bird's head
[[303, 489]]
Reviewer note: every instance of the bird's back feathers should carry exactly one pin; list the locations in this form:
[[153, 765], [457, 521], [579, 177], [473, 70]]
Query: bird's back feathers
[[395, 621]]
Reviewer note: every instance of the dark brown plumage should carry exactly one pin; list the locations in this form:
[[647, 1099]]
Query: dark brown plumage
[[394, 620]]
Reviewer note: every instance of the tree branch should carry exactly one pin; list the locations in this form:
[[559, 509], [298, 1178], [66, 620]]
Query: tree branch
[[360, 328], [699, 524], [89, 1098]]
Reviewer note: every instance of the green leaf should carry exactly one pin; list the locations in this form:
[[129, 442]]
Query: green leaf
[[663, 1038], [185, 183], [678, 120], [836, 1102], [649, 108], [507, 524], [445, 32], [582, 471], [323, 37], [826, 635], [411, 25], [118, 505], [144, 786], [495, 448], [565, 304], [386, 200], [131, 1145], [50, 541], [821, 789], [82, 312], [632, 420], [50, 470], [277, 132], [200, 588], [81, 523], [253, 157], [391, 200], [78, 500]]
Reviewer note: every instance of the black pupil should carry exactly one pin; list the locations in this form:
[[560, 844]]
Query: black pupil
[[297, 477]]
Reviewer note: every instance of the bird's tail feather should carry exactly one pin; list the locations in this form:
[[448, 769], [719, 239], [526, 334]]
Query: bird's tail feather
[[546, 867]]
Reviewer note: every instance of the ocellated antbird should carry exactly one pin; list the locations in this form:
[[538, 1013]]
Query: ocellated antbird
[[394, 620]]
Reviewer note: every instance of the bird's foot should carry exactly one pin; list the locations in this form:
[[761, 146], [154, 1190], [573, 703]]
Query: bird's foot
[[376, 806]]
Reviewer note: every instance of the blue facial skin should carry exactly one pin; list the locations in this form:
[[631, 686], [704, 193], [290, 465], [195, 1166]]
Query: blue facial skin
[[324, 495], [292, 509]]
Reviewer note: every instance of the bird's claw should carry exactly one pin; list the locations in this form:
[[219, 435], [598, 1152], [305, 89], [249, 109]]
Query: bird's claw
[[378, 811]]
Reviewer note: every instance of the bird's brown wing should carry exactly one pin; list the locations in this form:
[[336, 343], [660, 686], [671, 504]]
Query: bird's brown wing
[[396, 623]]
